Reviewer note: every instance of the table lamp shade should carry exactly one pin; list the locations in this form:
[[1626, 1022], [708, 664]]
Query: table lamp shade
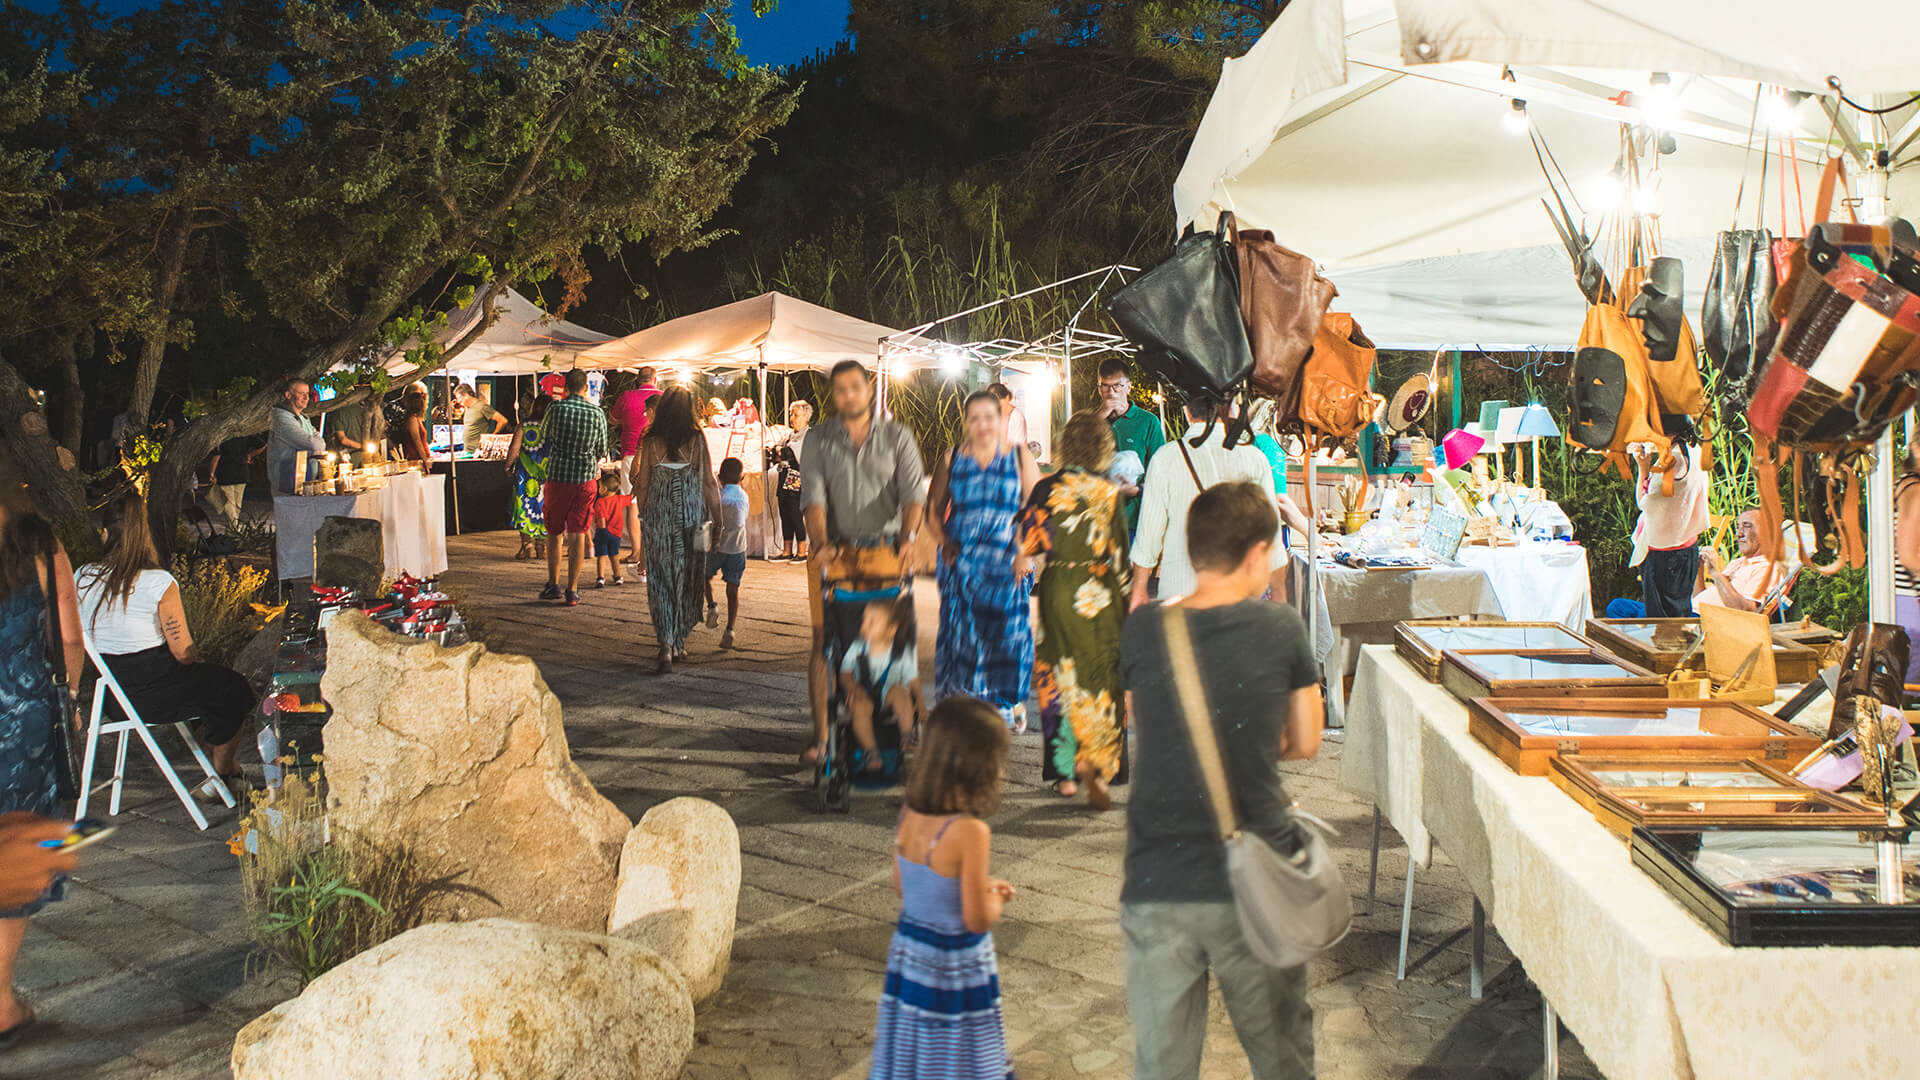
[[1537, 422], [1490, 416], [1508, 431], [1459, 446]]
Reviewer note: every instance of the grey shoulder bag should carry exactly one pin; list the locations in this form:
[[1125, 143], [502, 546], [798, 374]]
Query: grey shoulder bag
[[1289, 908]]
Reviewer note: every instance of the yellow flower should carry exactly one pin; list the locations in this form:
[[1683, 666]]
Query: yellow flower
[[1090, 599]]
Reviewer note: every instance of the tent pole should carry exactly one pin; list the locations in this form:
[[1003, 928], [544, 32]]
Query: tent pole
[[1309, 610], [1880, 550], [453, 475]]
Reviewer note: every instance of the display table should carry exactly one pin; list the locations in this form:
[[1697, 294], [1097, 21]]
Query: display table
[[411, 510], [1545, 582], [1649, 991]]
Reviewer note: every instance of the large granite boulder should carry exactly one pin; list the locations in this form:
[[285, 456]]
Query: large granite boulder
[[349, 552], [458, 755], [680, 889], [494, 998]]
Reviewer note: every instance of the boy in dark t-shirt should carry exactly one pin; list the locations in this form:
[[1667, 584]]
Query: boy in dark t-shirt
[[1263, 693]]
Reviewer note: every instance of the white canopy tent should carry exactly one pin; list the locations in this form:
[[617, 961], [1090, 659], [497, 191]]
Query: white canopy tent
[[1387, 139], [772, 330], [523, 340]]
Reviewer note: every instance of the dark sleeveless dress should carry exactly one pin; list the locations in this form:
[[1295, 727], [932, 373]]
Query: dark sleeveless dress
[[26, 716]]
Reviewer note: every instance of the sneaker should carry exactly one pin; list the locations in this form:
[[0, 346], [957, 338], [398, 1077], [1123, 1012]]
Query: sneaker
[[726, 640], [713, 616], [573, 598], [599, 583], [619, 581], [551, 592]]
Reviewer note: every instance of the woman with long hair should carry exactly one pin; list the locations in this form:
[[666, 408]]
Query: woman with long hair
[[132, 611], [527, 461], [1076, 521], [414, 437], [674, 484], [985, 647], [30, 559]]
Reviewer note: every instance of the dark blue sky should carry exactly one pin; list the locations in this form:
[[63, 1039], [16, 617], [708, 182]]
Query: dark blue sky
[[795, 31]]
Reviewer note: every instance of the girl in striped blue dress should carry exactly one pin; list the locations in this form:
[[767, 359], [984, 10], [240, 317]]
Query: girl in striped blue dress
[[940, 1010]]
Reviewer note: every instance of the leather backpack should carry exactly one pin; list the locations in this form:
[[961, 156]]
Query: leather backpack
[[1673, 353], [1336, 395], [1283, 299], [1613, 402], [1184, 315]]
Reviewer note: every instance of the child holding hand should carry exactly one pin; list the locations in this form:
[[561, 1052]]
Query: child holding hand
[[940, 1010]]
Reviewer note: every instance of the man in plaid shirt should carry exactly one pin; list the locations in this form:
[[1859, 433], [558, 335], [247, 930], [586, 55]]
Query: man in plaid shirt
[[575, 432]]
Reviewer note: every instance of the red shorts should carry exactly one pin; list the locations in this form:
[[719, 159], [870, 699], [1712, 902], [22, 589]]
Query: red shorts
[[568, 508]]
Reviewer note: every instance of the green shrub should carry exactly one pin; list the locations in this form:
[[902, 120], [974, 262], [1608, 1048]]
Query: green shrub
[[1838, 602]]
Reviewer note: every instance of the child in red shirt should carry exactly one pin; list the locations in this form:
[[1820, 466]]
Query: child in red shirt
[[609, 517]]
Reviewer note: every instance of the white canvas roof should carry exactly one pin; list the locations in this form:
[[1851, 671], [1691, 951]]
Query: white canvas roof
[[1394, 168], [523, 340], [775, 329]]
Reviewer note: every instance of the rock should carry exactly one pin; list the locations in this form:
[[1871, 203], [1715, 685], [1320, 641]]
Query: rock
[[348, 551], [679, 889], [494, 998], [458, 755]]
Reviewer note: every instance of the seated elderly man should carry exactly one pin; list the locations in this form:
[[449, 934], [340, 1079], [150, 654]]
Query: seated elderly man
[[1745, 583]]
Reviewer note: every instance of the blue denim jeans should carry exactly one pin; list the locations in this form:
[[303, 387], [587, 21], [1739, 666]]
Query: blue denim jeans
[[1170, 949]]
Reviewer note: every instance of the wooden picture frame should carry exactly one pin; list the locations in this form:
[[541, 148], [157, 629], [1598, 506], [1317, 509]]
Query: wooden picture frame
[[1625, 793], [1421, 641], [1644, 728], [1473, 673], [1660, 649]]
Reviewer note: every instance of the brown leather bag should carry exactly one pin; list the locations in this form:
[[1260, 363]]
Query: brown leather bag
[[1336, 399], [1282, 300]]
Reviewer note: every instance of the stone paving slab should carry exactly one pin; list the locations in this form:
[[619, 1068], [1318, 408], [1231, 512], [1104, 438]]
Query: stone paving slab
[[144, 972]]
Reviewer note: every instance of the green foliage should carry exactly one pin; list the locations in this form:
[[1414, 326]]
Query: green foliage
[[219, 599], [1838, 602]]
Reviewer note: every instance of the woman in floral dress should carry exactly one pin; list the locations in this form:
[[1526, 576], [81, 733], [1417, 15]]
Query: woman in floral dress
[[527, 457], [1076, 519]]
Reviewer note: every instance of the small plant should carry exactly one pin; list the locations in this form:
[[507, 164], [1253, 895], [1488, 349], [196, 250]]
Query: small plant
[[302, 914], [218, 598]]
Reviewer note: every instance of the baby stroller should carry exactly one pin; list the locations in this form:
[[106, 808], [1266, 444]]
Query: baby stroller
[[870, 641]]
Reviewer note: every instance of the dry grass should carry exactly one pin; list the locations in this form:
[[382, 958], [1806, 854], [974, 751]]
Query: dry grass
[[218, 598]]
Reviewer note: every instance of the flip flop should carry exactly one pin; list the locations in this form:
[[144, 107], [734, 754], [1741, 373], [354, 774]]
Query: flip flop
[[811, 755], [12, 1034]]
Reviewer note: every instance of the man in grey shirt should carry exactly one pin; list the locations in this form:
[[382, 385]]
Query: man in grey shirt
[[291, 432], [861, 485]]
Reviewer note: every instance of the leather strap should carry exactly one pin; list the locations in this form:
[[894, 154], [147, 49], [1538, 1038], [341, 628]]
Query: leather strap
[[1191, 471], [1192, 696], [1767, 456]]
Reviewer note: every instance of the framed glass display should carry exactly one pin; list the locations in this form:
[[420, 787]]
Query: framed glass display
[[1421, 641], [1658, 645], [1783, 886], [1527, 732], [1694, 792], [1586, 672]]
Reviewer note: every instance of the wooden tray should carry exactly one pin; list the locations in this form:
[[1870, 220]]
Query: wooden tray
[[1682, 791], [1521, 730], [1658, 645], [1581, 673], [1421, 641]]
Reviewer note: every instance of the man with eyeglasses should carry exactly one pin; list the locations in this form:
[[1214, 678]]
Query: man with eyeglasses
[[1134, 428], [1745, 583]]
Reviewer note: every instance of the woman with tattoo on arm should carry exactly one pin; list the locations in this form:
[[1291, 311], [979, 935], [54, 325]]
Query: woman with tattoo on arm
[[132, 611]]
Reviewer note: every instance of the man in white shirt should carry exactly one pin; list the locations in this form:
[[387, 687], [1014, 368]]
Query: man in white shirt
[[1172, 482], [291, 433]]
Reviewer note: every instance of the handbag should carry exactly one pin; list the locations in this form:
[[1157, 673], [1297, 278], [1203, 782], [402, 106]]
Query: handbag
[[1184, 314], [1336, 382], [66, 766], [1282, 301], [1736, 326], [1289, 908]]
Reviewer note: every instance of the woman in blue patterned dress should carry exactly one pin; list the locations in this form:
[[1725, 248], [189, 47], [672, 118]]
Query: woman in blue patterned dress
[[28, 709], [985, 647], [527, 457], [940, 1010], [677, 492]]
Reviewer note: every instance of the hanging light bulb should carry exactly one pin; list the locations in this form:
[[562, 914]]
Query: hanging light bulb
[[1608, 189], [953, 361], [1516, 119], [1777, 111], [1659, 105], [1646, 199]]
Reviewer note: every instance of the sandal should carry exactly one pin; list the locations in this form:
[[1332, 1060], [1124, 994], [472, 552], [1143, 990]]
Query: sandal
[[812, 754], [1066, 789], [12, 1034], [1098, 796]]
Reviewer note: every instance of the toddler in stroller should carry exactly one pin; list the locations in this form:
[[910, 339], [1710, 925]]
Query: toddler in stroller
[[881, 675]]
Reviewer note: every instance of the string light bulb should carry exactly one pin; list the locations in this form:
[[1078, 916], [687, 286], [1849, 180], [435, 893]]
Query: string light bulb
[[1778, 113], [1660, 105], [1516, 119]]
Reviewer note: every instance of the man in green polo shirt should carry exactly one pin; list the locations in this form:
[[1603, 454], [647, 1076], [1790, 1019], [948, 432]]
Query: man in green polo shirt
[[1134, 428]]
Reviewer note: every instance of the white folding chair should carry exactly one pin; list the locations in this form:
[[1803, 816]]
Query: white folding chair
[[130, 723]]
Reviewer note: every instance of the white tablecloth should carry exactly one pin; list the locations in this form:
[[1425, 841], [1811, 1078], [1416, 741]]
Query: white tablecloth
[[411, 510], [1649, 991], [1537, 582]]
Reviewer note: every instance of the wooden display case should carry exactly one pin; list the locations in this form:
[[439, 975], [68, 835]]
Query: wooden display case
[[1579, 673], [1692, 792], [1658, 645], [1421, 641], [1527, 732]]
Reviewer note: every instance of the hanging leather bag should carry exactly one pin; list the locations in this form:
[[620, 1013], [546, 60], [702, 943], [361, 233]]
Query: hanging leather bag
[[1289, 907], [1336, 395], [1283, 299], [1184, 315], [1613, 405], [1737, 326]]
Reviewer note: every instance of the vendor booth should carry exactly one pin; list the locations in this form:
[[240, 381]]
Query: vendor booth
[[762, 336], [1415, 149]]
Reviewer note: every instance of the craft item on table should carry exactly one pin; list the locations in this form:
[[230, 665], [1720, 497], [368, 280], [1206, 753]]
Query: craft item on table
[[1487, 532], [1542, 673], [1873, 663], [1685, 791], [1422, 641], [1459, 447], [1527, 731], [1786, 886], [1353, 496], [1838, 761], [1737, 650], [1446, 527], [1658, 645]]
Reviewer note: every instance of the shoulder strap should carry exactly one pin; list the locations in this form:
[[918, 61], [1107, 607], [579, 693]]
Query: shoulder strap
[[1193, 708], [56, 641], [1188, 458], [939, 835]]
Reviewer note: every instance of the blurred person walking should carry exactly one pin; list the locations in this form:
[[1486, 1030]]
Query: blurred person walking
[[678, 494], [575, 432]]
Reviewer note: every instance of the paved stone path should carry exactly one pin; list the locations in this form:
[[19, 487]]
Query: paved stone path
[[145, 970]]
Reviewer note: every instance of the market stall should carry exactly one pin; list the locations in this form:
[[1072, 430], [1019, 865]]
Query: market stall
[[766, 335], [411, 509]]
